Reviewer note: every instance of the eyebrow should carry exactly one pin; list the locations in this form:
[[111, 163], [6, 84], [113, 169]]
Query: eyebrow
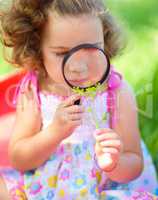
[[67, 48]]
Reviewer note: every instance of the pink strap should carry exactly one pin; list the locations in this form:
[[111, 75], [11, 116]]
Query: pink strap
[[31, 76], [114, 83]]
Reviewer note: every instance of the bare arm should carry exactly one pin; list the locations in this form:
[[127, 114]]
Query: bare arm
[[30, 146], [30, 152], [128, 161], [130, 164]]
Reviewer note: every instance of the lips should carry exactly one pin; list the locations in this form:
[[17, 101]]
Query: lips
[[79, 81]]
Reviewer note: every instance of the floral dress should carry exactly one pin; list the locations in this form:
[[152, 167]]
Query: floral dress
[[71, 172]]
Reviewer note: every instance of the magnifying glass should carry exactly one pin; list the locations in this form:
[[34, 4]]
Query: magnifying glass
[[85, 66]]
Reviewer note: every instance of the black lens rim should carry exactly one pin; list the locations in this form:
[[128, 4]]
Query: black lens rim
[[86, 46]]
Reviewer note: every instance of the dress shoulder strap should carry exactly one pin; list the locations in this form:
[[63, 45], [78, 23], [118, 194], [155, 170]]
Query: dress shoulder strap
[[114, 82]]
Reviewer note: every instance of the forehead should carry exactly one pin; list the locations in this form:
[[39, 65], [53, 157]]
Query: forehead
[[70, 31]]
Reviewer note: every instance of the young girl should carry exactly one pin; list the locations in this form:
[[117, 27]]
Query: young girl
[[55, 149]]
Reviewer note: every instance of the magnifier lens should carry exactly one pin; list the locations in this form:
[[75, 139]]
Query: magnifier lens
[[85, 67]]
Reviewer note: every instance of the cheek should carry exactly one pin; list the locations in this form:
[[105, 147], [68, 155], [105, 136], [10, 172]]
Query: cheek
[[53, 67]]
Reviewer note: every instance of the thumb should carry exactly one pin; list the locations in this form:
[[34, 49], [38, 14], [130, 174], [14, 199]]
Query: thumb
[[70, 100]]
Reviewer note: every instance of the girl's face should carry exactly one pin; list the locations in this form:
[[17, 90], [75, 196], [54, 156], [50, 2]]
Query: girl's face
[[60, 34]]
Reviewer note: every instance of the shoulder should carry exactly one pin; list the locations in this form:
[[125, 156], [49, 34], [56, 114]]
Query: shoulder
[[126, 108], [119, 88], [126, 94]]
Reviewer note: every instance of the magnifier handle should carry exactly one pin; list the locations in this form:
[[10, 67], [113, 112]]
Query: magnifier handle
[[77, 102]]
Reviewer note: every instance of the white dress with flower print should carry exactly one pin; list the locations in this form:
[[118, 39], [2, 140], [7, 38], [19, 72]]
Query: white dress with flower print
[[71, 173]]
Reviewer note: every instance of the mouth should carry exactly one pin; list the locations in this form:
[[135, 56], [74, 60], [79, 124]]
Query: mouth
[[79, 81]]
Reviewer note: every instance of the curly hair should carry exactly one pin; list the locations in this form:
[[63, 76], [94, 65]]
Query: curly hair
[[22, 22]]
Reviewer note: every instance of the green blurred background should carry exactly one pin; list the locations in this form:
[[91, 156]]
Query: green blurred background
[[138, 62]]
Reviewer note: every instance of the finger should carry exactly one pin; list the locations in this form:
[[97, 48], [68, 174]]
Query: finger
[[74, 117], [22, 96], [106, 136], [25, 90], [111, 143], [76, 123], [110, 150], [70, 101], [75, 109], [34, 95], [103, 130]]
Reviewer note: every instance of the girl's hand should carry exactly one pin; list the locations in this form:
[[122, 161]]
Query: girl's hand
[[108, 149], [28, 109], [67, 117]]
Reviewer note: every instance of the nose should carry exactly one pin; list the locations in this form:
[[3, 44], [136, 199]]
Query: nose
[[78, 68]]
